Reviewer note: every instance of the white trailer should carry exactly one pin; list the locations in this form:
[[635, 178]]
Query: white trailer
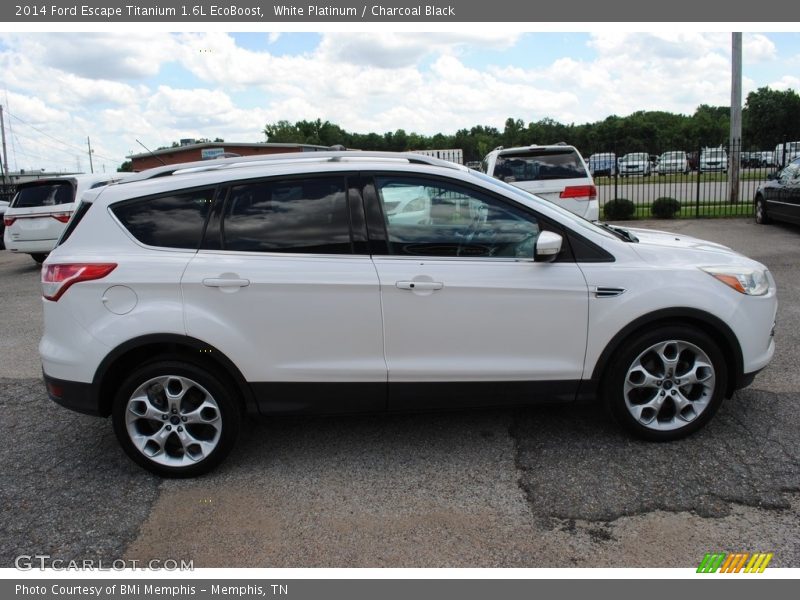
[[454, 155]]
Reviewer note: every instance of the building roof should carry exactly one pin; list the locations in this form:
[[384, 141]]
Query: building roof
[[201, 145]]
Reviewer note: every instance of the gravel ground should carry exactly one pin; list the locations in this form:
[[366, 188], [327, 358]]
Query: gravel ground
[[550, 486]]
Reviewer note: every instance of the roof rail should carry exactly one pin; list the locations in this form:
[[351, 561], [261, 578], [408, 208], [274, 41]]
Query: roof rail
[[320, 156]]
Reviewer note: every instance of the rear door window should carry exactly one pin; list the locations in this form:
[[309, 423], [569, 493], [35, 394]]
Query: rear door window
[[51, 193], [307, 216], [539, 165]]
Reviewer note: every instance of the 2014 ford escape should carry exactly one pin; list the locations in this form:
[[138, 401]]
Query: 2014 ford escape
[[347, 281]]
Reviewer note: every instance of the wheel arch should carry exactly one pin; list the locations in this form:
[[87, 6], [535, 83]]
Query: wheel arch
[[713, 326], [129, 355]]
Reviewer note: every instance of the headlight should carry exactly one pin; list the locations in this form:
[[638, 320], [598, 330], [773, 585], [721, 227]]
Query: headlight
[[752, 282]]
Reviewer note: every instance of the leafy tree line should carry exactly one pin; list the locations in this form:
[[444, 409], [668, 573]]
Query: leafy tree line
[[768, 117]]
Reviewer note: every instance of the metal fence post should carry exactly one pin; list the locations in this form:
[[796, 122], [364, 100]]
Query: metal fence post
[[697, 196]]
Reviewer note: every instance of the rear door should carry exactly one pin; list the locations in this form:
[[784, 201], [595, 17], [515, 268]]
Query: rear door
[[469, 317], [285, 287]]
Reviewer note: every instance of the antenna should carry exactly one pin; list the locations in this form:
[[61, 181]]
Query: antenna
[[158, 158]]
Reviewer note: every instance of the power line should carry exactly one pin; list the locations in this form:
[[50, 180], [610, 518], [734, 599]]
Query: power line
[[81, 150]]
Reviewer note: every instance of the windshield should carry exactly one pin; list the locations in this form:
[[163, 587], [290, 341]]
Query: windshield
[[673, 156], [520, 193], [713, 153], [635, 157]]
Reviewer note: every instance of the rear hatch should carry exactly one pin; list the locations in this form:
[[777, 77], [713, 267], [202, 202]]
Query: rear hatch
[[40, 209], [555, 174]]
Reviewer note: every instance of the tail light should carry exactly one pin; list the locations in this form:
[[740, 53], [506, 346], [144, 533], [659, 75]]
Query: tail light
[[57, 279], [63, 217], [9, 221], [588, 192]]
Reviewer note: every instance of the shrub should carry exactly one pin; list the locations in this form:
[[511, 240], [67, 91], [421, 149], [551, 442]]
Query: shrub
[[665, 208], [618, 209]]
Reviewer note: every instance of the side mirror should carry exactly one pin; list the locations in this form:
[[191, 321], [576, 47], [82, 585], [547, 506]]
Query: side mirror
[[548, 245]]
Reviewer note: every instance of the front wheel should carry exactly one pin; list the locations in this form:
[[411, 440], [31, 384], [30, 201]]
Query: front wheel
[[761, 211], [175, 419], [666, 384]]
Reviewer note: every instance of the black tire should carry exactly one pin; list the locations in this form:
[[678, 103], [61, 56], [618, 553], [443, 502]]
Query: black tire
[[762, 218], [39, 258], [701, 400], [205, 388]]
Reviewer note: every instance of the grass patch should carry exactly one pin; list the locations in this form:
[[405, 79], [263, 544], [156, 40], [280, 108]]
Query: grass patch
[[707, 209]]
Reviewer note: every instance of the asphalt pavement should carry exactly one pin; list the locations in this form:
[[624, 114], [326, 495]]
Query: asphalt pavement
[[546, 486]]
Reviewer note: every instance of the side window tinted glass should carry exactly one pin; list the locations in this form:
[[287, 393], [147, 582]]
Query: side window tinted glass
[[437, 218], [171, 221], [303, 216]]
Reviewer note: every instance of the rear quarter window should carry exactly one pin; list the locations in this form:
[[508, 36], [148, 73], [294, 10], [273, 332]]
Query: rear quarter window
[[168, 221], [44, 194]]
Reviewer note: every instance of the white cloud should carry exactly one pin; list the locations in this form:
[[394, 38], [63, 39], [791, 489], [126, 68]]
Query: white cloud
[[396, 50], [110, 56], [787, 82], [111, 87]]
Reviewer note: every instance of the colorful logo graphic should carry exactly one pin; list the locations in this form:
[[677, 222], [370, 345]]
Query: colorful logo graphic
[[734, 563]]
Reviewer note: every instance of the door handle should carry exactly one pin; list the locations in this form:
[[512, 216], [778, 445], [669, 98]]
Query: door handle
[[222, 282], [419, 285]]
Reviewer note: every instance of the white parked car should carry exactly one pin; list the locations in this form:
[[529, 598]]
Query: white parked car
[[673, 162], [282, 285], [785, 153], [635, 163], [557, 173], [40, 210], [713, 160]]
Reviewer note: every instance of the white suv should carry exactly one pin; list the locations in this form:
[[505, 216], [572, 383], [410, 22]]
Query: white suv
[[290, 284], [556, 173], [40, 209]]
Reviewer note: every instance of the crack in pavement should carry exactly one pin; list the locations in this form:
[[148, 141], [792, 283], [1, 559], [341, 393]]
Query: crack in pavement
[[575, 464]]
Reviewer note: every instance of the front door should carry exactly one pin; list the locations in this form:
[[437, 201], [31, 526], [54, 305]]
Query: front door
[[469, 317]]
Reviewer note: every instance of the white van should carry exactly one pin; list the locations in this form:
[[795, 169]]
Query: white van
[[784, 156], [40, 210], [556, 173]]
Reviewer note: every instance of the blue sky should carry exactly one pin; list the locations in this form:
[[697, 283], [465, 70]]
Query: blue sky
[[117, 87]]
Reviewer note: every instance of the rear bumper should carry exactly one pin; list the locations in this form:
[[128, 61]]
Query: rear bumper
[[74, 395], [29, 247]]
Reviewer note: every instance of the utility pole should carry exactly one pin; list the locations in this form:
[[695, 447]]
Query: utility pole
[[735, 149], [5, 154], [89, 143]]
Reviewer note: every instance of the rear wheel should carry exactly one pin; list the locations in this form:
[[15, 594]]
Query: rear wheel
[[175, 419], [39, 258], [667, 383]]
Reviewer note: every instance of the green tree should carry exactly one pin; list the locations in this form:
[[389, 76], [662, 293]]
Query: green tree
[[770, 117]]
